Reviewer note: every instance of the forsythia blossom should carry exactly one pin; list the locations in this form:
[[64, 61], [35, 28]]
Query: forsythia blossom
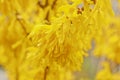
[[48, 39]]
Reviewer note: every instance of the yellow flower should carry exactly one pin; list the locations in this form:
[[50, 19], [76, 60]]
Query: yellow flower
[[38, 42]]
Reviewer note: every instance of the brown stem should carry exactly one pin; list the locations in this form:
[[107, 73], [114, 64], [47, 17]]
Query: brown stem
[[47, 16], [41, 5], [46, 72], [54, 3]]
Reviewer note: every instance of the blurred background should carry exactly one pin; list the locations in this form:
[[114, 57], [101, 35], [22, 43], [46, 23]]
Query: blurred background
[[91, 63], [3, 75]]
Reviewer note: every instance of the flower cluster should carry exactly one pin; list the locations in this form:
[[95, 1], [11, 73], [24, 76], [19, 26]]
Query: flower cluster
[[48, 39]]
